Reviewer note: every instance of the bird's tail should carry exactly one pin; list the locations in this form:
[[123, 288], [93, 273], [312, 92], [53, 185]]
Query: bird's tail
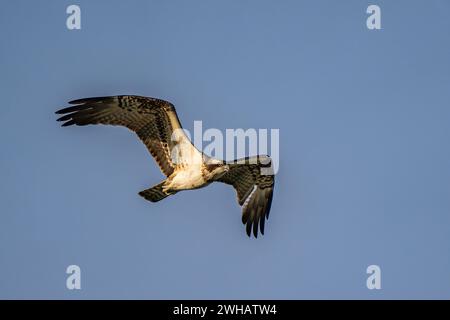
[[155, 193]]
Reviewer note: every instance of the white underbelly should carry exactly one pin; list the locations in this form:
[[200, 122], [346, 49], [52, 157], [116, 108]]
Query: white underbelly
[[191, 178]]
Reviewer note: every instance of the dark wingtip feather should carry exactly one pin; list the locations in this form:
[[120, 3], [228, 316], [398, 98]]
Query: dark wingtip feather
[[255, 228], [92, 100], [249, 229], [68, 123], [269, 204], [76, 101], [65, 117], [79, 104], [73, 109], [82, 100], [261, 224]]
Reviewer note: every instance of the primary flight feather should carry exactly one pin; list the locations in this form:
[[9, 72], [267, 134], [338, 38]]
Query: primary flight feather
[[156, 123]]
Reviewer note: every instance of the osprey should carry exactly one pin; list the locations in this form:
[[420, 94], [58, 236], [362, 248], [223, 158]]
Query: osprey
[[156, 123]]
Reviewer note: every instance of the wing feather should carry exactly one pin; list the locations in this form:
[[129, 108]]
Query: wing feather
[[153, 120], [254, 190]]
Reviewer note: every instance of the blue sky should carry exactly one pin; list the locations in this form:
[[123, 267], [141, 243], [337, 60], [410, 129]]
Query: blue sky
[[364, 130]]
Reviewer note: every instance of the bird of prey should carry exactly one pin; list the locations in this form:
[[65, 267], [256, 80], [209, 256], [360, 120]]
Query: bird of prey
[[156, 123]]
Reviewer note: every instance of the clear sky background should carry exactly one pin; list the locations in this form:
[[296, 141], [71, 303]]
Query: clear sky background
[[364, 149]]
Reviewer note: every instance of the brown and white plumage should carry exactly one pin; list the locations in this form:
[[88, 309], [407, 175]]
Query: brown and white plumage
[[156, 123], [254, 190]]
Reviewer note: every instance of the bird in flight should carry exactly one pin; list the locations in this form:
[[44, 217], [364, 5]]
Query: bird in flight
[[156, 123]]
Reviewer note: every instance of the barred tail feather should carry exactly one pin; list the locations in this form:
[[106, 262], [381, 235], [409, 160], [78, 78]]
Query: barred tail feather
[[154, 194]]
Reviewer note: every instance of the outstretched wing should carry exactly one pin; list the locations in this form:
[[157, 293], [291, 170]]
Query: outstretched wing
[[155, 122], [253, 180]]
